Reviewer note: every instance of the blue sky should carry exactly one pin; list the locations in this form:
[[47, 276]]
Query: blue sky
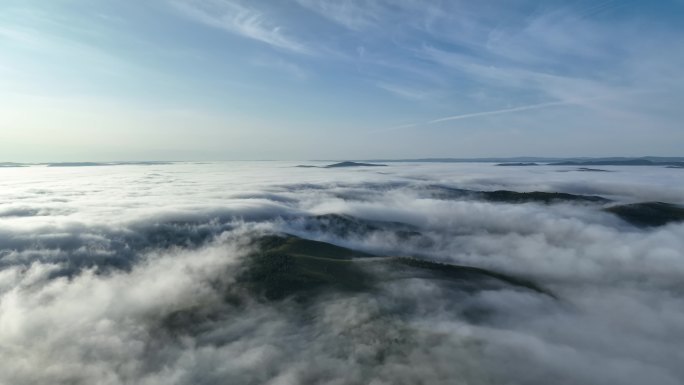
[[314, 79]]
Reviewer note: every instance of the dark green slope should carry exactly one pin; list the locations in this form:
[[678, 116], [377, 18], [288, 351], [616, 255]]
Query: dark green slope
[[507, 196], [286, 266], [538, 196], [466, 277], [346, 225], [649, 213]]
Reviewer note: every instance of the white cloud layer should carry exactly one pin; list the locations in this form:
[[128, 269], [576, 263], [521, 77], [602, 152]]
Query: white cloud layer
[[95, 261]]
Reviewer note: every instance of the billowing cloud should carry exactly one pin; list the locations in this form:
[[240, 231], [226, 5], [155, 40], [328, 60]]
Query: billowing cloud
[[132, 274]]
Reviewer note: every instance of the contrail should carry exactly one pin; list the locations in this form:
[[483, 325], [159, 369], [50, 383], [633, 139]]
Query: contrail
[[478, 114], [497, 112]]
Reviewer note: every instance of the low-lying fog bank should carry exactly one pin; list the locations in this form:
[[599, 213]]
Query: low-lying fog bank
[[268, 273]]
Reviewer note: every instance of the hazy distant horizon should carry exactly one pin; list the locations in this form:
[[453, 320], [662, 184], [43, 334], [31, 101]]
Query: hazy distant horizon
[[484, 159]]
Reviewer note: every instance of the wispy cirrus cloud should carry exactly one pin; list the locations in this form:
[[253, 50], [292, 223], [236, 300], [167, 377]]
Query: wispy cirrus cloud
[[363, 64], [404, 92], [243, 20], [352, 14], [282, 65]]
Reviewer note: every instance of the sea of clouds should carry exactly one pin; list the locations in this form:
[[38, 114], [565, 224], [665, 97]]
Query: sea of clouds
[[95, 261]]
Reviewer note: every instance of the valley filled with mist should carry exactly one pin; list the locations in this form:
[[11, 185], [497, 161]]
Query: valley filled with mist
[[411, 273]]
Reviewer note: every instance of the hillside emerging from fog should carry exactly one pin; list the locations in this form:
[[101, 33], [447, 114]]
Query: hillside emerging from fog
[[264, 272]]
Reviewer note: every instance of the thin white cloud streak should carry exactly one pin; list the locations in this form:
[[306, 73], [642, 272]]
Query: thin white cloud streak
[[498, 112], [282, 65], [242, 20], [479, 114], [348, 13], [521, 79], [404, 92]]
